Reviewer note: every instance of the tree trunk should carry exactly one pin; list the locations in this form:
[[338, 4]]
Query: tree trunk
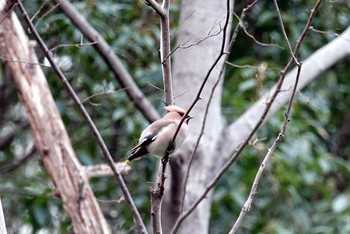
[[51, 139], [198, 19]]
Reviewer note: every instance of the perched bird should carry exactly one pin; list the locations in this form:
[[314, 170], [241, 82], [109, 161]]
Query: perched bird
[[157, 137]]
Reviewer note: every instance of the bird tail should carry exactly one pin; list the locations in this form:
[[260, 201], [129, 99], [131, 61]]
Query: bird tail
[[136, 153]]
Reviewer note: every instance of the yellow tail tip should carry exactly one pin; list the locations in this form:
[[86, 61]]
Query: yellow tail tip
[[127, 161]]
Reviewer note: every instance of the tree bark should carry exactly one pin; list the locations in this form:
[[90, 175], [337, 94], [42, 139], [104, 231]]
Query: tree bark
[[51, 138], [198, 18]]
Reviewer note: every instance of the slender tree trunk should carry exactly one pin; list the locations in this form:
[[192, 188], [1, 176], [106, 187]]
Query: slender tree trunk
[[51, 139], [201, 20]]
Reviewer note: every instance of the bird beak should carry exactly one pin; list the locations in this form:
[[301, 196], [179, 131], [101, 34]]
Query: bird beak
[[188, 118]]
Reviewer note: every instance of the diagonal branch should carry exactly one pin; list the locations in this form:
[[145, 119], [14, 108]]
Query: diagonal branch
[[112, 60]]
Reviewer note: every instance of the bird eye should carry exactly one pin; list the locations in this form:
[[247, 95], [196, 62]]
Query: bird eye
[[182, 114]]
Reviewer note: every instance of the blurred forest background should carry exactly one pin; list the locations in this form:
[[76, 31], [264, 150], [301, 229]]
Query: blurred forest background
[[305, 189]]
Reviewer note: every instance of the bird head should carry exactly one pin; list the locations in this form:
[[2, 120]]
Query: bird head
[[178, 110]]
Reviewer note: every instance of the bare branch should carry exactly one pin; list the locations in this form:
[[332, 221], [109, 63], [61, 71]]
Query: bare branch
[[165, 53], [102, 170], [39, 10], [241, 24], [184, 46], [158, 9], [157, 197], [44, 15], [284, 31], [163, 12], [79, 45], [73, 95]]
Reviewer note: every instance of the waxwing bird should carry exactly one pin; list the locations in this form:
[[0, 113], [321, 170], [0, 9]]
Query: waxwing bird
[[157, 137]]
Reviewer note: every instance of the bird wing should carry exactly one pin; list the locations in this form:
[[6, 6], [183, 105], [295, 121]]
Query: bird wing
[[145, 141]]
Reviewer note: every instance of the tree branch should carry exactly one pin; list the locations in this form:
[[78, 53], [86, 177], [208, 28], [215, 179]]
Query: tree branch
[[165, 53], [157, 197], [102, 145], [158, 9], [102, 170], [116, 66], [163, 12]]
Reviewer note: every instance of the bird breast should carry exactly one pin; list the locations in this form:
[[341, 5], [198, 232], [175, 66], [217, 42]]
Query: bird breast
[[159, 146]]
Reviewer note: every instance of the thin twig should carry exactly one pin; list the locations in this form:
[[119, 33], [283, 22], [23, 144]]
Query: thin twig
[[284, 31], [78, 45], [102, 170], [249, 66], [184, 46], [241, 24], [73, 95], [44, 15], [240, 148], [39, 10], [88, 99]]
